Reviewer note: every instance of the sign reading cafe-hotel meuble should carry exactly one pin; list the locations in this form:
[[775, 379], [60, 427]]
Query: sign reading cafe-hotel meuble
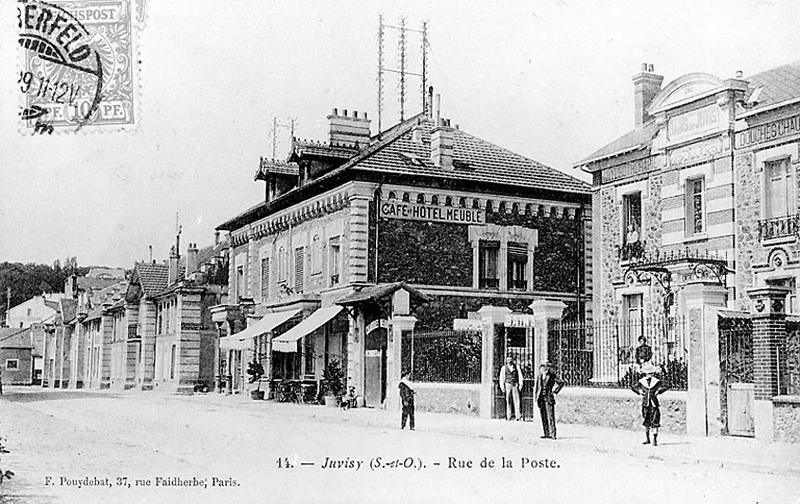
[[413, 211]]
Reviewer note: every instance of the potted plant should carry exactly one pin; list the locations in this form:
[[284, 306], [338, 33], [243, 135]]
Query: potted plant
[[333, 381], [256, 372]]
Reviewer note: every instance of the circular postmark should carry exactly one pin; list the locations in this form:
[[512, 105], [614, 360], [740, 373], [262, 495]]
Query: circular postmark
[[61, 79]]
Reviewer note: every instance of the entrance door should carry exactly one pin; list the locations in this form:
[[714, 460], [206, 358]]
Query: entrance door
[[514, 341], [374, 373]]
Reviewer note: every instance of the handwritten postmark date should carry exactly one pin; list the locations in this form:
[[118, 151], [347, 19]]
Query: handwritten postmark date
[[79, 67]]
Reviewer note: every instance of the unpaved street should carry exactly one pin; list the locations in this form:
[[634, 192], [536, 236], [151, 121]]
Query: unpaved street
[[155, 448]]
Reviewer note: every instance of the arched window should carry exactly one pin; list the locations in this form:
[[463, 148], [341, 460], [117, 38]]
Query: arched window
[[406, 197], [515, 208], [476, 203], [392, 195], [462, 202], [501, 208], [421, 198], [434, 200], [528, 209], [489, 206], [448, 201]]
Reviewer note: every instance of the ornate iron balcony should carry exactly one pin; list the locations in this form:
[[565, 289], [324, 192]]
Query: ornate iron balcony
[[778, 227]]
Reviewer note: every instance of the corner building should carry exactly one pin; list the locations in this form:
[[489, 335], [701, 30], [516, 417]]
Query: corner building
[[362, 237]]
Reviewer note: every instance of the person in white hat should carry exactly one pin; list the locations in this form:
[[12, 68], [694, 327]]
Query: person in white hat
[[650, 387]]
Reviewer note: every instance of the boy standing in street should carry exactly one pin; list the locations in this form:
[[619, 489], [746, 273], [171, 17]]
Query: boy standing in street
[[407, 398]]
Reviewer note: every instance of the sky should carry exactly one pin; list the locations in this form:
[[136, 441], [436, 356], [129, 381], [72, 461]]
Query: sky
[[549, 79]]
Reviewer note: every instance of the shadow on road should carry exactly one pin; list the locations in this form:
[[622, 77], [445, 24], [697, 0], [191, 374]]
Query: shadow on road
[[51, 395]]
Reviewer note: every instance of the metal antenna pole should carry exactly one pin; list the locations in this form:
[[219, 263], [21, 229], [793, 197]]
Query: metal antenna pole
[[402, 47], [380, 73], [425, 103]]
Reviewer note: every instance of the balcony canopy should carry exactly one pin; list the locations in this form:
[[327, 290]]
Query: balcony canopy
[[268, 323]]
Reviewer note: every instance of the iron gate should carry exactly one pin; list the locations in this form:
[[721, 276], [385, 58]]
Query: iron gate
[[736, 375], [525, 359]]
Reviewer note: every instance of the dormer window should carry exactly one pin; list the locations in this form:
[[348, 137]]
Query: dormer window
[[421, 198]]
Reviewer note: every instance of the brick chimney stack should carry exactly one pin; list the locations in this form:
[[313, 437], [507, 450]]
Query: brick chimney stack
[[173, 266], [191, 259], [646, 85], [442, 140], [346, 129]]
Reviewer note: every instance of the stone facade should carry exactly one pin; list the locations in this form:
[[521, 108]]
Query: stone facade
[[787, 419]]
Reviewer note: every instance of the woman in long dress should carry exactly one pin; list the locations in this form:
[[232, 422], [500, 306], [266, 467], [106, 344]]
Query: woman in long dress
[[650, 387]]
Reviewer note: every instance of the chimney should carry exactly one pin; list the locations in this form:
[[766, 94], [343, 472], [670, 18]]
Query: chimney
[[173, 266], [442, 139], [646, 86], [191, 259], [71, 286], [345, 129]]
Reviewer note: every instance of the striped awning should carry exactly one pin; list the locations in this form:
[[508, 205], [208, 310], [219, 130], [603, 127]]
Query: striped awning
[[287, 342], [242, 339]]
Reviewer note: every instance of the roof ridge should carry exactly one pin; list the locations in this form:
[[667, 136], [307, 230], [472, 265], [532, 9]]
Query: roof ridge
[[21, 330]]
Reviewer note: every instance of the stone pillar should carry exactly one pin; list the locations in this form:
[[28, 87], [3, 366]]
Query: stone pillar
[[769, 335], [355, 353], [544, 310], [147, 330], [105, 336], [217, 377], [229, 373], [59, 357], [188, 321], [502, 265], [400, 324], [490, 316], [701, 302], [357, 253]]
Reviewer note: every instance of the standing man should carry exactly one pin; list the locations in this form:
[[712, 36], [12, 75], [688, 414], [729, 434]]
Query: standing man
[[545, 390], [407, 397], [643, 352], [510, 383]]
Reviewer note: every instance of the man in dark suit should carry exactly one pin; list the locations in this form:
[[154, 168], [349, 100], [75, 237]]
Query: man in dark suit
[[545, 390]]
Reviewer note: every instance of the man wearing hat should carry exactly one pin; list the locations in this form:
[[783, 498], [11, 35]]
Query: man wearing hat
[[545, 390], [650, 388]]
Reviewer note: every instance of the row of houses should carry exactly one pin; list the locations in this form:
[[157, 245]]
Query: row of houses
[[151, 330]]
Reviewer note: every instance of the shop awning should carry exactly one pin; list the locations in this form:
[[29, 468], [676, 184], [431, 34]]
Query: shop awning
[[241, 340], [287, 342]]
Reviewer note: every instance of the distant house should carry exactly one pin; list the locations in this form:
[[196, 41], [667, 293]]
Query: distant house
[[16, 356], [35, 309]]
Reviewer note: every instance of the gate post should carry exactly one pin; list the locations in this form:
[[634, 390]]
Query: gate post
[[490, 317], [700, 301], [769, 333], [544, 310], [400, 325]]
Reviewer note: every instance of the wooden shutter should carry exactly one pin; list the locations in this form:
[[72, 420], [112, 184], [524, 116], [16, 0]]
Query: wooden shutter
[[264, 278], [299, 263]]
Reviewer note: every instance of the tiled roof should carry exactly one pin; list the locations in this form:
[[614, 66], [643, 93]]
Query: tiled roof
[[637, 139], [474, 160], [152, 277], [780, 84], [92, 284], [14, 337], [110, 294]]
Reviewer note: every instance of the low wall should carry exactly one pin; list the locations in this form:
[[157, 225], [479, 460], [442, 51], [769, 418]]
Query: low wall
[[786, 418], [618, 408], [462, 398]]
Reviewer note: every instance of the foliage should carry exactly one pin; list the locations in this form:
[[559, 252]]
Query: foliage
[[333, 378], [446, 356], [29, 280], [256, 372]]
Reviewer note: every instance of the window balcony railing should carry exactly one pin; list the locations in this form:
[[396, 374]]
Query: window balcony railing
[[518, 284], [778, 227], [631, 251], [489, 283]]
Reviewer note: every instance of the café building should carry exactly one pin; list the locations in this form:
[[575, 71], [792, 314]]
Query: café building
[[363, 238]]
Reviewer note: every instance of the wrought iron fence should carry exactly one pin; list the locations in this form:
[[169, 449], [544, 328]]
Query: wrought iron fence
[[443, 356], [790, 373], [611, 353], [736, 349], [778, 227]]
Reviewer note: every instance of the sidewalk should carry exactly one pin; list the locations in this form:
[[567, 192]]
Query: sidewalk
[[721, 452]]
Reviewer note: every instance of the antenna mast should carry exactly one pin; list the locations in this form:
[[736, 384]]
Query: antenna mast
[[402, 45]]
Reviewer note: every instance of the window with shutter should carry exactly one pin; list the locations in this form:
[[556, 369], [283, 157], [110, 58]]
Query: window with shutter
[[265, 278], [299, 263]]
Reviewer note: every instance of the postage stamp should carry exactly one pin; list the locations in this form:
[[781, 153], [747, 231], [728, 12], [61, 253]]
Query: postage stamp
[[78, 65]]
